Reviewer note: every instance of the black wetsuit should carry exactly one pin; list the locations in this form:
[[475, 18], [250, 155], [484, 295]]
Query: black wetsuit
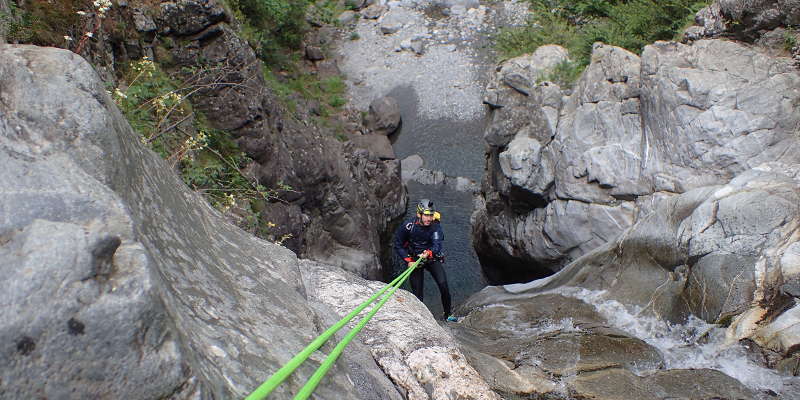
[[411, 239]]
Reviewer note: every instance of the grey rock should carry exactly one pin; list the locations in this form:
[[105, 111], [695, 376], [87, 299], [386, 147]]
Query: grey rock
[[384, 116], [377, 144], [314, 53], [412, 349], [347, 17], [418, 47], [679, 118], [113, 258], [391, 23], [623, 384], [374, 11], [142, 22], [684, 235], [190, 17]]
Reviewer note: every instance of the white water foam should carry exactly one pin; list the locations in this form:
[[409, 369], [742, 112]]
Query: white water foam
[[694, 344]]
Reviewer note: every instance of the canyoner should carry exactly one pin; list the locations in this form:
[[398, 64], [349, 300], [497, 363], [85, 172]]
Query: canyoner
[[423, 237]]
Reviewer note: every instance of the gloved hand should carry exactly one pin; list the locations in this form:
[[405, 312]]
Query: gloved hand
[[426, 254]]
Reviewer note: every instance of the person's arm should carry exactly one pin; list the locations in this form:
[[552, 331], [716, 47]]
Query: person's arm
[[400, 239], [436, 240]]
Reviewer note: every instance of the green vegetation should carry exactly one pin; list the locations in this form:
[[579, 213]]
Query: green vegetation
[[159, 107], [44, 23], [208, 160], [789, 40], [576, 25], [328, 92], [17, 25]]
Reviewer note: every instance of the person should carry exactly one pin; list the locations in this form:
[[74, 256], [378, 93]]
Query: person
[[423, 237]]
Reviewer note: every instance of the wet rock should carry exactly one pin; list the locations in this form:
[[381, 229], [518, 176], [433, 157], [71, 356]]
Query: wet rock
[[545, 336], [681, 384]]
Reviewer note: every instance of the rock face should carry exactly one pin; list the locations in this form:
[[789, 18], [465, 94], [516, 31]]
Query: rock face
[[724, 253], [566, 174], [344, 199], [341, 200], [119, 282], [415, 353], [746, 20]]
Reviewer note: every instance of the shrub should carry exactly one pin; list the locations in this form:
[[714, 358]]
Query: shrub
[[274, 24], [576, 25], [208, 159], [564, 73]]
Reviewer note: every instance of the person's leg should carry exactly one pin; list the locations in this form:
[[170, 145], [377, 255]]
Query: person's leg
[[416, 283], [437, 271]]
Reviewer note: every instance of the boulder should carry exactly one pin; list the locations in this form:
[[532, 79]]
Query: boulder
[[384, 116], [374, 11], [392, 22], [377, 144], [410, 165], [314, 53]]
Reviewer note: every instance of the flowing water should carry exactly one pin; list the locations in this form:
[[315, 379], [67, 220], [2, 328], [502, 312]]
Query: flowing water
[[694, 344]]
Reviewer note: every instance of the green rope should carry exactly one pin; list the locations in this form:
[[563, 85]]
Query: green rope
[[312, 383], [279, 376]]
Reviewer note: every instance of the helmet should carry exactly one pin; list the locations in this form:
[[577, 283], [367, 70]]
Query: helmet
[[425, 207]]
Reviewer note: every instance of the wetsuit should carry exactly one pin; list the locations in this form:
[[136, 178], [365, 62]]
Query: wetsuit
[[411, 239]]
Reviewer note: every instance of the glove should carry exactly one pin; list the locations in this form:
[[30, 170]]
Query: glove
[[427, 254]]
